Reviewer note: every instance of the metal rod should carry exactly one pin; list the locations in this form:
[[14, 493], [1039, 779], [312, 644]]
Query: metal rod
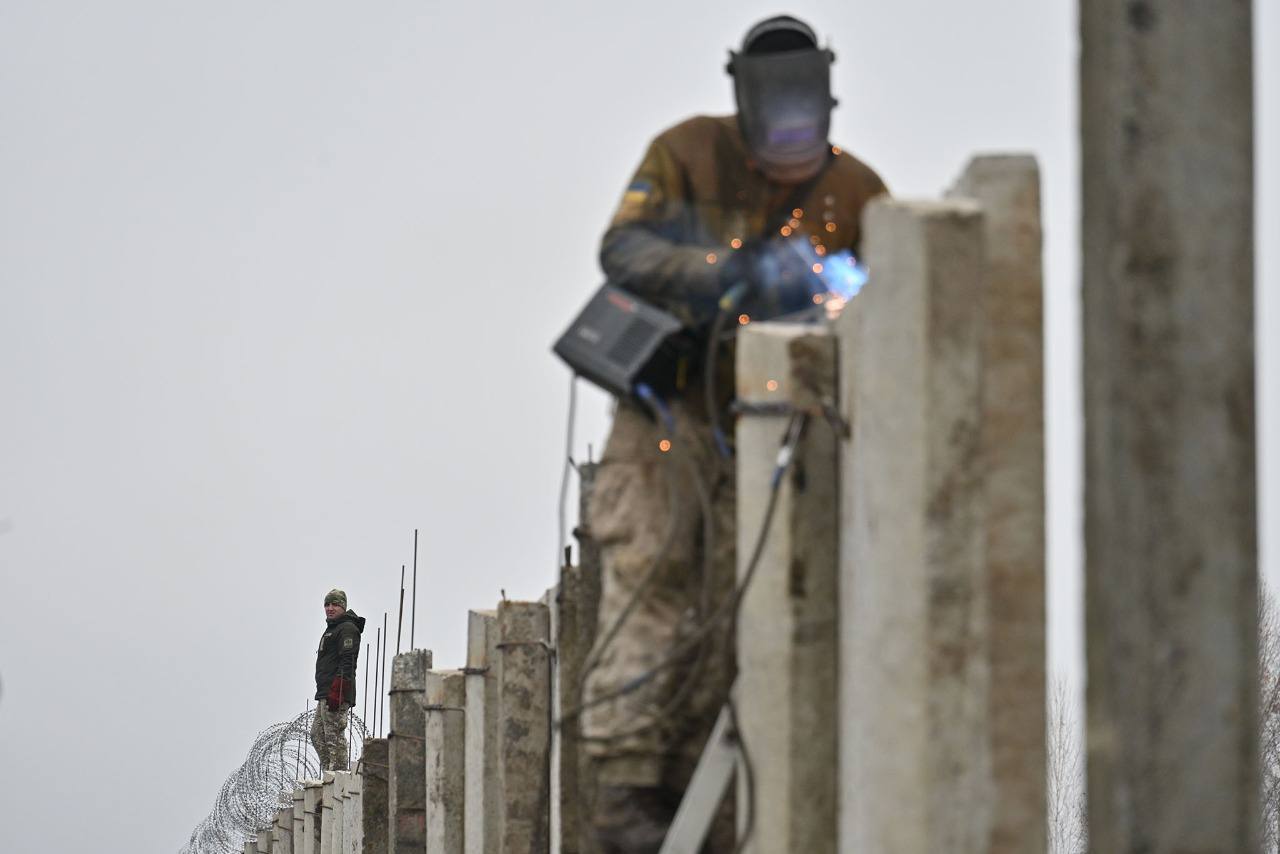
[[377, 682], [364, 709], [382, 698], [413, 606], [400, 619], [297, 772]]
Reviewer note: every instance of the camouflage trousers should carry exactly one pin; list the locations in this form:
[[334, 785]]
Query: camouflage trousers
[[329, 736], [664, 522]]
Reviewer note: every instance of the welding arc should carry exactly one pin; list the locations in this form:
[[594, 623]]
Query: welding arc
[[728, 610]]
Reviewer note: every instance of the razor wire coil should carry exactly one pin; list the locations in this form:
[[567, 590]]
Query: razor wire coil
[[280, 759]]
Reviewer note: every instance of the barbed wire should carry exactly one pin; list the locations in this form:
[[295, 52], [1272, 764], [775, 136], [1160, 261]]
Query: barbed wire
[[279, 760]]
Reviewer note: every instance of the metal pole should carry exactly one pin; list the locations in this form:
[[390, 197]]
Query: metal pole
[[413, 606], [297, 771], [400, 619], [377, 682], [382, 698], [364, 708]]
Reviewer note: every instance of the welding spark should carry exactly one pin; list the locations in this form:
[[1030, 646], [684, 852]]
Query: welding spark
[[838, 273]]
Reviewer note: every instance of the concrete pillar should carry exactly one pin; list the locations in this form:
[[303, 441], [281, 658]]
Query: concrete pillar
[[552, 600], [914, 741], [263, 844], [787, 633], [327, 798], [250, 846], [406, 782], [1008, 188], [298, 836], [1166, 116], [578, 605], [282, 832], [353, 794], [524, 727], [312, 809], [374, 801], [480, 821], [446, 759]]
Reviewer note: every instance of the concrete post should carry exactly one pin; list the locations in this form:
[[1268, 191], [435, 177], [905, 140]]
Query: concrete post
[[1166, 117], [313, 806], [250, 846], [1008, 188], [480, 821], [263, 845], [374, 801], [327, 798], [552, 600], [282, 832], [298, 836], [914, 740], [787, 634], [578, 612], [524, 727], [353, 792], [446, 760], [341, 804], [406, 783]]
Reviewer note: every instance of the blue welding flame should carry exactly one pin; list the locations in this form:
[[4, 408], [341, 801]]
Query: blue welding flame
[[839, 273]]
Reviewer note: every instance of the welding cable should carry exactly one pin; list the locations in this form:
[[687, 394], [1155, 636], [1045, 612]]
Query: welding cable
[[748, 777], [728, 303], [606, 640], [661, 714], [729, 609], [571, 420]]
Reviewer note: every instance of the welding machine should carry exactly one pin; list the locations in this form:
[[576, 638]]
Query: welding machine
[[619, 342]]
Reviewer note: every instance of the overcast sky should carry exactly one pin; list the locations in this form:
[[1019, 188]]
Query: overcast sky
[[278, 283]]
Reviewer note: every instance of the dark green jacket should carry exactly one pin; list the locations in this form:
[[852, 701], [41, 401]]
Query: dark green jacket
[[338, 653]]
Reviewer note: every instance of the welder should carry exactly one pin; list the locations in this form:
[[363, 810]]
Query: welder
[[706, 230]]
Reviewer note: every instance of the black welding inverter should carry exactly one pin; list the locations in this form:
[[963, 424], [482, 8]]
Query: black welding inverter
[[618, 342]]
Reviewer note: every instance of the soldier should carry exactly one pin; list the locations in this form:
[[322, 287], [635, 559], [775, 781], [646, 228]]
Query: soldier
[[335, 680], [716, 202]]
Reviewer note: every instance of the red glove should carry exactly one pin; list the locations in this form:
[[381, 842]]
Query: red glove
[[336, 693]]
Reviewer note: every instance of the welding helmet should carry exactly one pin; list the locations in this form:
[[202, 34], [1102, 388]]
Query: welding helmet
[[782, 83]]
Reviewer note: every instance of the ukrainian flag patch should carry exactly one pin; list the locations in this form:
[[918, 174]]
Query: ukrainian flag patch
[[638, 192]]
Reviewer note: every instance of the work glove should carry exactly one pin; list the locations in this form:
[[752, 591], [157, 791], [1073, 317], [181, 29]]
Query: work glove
[[337, 692], [772, 276]]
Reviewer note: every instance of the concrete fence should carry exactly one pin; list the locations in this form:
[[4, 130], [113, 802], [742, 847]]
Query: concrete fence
[[891, 645]]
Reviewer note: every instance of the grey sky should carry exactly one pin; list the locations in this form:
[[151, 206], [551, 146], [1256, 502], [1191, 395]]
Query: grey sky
[[278, 283]]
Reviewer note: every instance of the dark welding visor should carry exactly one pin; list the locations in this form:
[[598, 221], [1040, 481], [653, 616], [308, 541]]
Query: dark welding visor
[[784, 109]]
